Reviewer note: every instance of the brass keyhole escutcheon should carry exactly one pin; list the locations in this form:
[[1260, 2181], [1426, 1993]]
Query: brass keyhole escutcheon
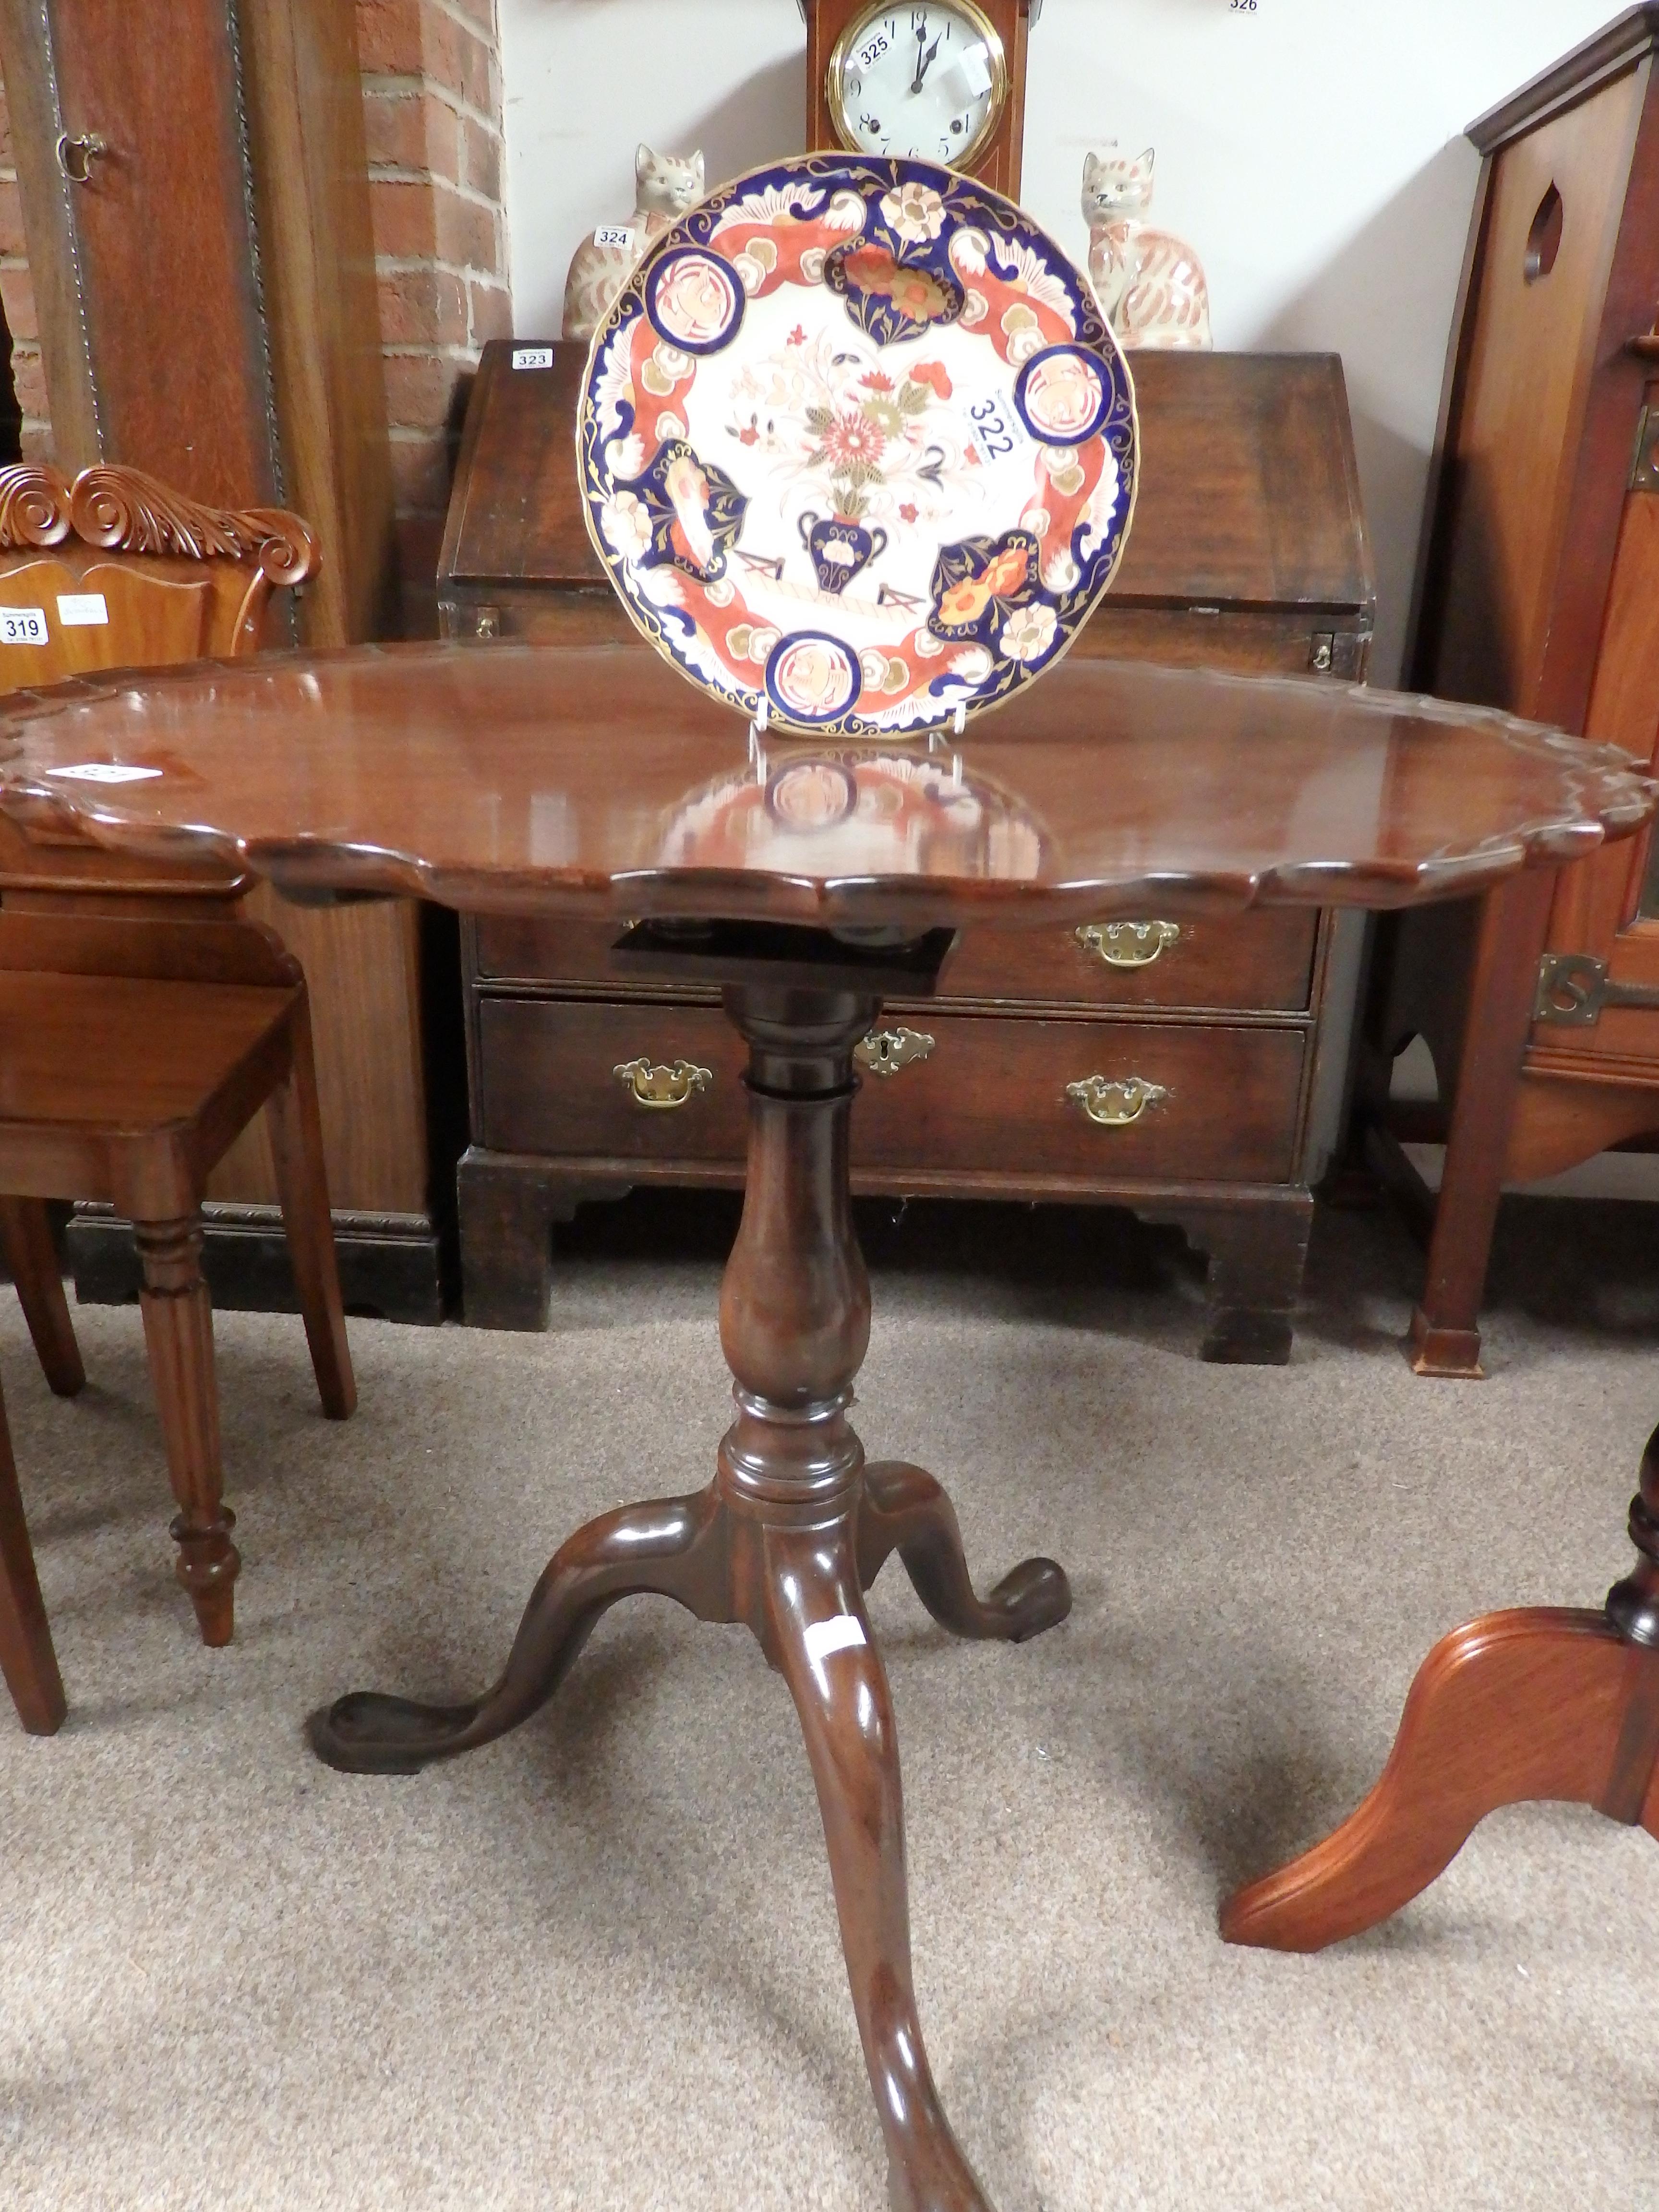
[[662, 1089], [1115, 1105], [884, 1051], [1128, 943]]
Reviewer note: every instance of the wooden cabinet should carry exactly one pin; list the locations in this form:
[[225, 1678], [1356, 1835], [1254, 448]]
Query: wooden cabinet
[[1215, 1043], [1540, 594], [196, 199]]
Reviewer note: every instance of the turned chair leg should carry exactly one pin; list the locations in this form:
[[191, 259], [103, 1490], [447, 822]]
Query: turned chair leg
[[27, 1658], [179, 1332], [25, 1237], [297, 1143]]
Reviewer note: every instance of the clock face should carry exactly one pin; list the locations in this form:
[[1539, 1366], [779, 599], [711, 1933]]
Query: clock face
[[929, 82]]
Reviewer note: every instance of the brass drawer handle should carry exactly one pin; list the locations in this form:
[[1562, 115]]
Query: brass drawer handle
[[1128, 943], [1115, 1105], [663, 1087], [883, 1052]]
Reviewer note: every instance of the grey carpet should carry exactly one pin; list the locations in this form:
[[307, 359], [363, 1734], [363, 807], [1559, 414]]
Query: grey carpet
[[596, 1964]]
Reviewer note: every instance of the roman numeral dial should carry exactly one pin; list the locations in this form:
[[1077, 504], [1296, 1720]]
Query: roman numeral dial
[[929, 81]]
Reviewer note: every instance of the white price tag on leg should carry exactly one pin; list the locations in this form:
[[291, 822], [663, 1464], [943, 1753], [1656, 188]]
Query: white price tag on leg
[[843, 1631]]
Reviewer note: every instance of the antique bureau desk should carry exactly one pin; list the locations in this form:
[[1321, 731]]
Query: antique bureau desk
[[1248, 553], [558, 786]]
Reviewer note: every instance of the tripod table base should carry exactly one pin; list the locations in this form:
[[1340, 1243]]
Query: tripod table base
[[786, 1538], [1538, 1704]]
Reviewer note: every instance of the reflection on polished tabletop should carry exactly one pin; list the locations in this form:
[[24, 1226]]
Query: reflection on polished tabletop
[[597, 782], [532, 779]]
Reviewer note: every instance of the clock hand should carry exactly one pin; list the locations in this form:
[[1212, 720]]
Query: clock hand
[[924, 61]]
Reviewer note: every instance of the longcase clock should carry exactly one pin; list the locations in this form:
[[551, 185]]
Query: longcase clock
[[943, 80]]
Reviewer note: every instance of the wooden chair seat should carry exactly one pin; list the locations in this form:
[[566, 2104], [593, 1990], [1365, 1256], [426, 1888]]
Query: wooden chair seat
[[160, 1053], [129, 1088], [144, 1019]]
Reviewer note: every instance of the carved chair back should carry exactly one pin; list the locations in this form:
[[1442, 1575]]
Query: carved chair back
[[116, 570]]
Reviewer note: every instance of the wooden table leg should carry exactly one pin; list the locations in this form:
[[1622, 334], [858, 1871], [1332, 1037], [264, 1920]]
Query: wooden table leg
[[1543, 1704], [790, 1532]]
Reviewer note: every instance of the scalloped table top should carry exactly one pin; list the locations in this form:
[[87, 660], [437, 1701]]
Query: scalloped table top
[[541, 780]]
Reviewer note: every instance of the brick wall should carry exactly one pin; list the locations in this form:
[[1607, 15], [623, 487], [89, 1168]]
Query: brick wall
[[432, 102], [432, 106], [17, 292]]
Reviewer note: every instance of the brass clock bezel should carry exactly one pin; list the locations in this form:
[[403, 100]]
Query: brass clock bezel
[[1001, 79]]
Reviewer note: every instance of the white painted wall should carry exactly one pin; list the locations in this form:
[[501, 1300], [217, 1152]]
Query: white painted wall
[[1312, 151]]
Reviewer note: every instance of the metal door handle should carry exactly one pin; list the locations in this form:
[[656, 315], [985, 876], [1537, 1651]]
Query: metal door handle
[[77, 152], [1573, 989]]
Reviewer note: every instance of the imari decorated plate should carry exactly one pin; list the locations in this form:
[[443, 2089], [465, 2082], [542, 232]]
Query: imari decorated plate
[[857, 448]]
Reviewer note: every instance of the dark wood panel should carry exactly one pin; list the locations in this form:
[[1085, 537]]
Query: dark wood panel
[[317, 269], [1249, 491], [1247, 961], [1528, 506], [550, 1088], [164, 248], [1244, 641], [515, 512]]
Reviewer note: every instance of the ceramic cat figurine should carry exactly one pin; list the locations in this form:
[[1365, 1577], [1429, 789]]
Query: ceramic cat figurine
[[668, 185], [1150, 284]]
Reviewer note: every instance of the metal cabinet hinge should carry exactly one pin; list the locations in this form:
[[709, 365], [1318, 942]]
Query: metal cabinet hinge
[[1573, 989]]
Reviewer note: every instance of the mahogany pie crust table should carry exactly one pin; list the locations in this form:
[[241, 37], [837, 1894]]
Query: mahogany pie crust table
[[810, 881]]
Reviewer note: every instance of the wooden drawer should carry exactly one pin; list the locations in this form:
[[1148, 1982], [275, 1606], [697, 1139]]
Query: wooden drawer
[[507, 949], [1263, 961], [990, 1095], [547, 1085], [1259, 961]]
